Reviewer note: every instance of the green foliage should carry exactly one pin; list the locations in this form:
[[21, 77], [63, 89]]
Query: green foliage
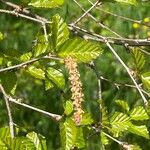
[[32, 141], [138, 58], [46, 3], [82, 50], [102, 124], [146, 80], [59, 32]]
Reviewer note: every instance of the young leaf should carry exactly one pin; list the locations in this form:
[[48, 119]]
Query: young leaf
[[124, 105], [104, 139], [38, 140], [139, 130], [119, 122], [41, 46], [36, 72], [86, 119], [56, 77], [82, 50], [68, 133], [23, 143], [146, 80], [138, 58], [59, 32], [80, 141], [3, 145], [48, 84], [68, 107], [138, 113], [25, 57], [4, 133], [46, 3]]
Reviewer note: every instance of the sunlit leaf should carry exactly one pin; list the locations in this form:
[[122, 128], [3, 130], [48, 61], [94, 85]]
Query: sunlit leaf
[[48, 84], [82, 50], [119, 122], [124, 105], [56, 77], [46, 3], [68, 107], [38, 140], [146, 80], [59, 32], [86, 119], [25, 57], [138, 58], [80, 141], [138, 113], [139, 130], [104, 139], [41, 46], [68, 133], [36, 72]]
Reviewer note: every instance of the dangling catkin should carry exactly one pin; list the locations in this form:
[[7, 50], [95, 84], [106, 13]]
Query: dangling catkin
[[76, 88]]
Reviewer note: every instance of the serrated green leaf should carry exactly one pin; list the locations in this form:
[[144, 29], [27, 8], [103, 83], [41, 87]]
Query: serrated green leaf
[[3, 146], [59, 32], [56, 77], [48, 84], [139, 130], [21, 143], [68, 107], [82, 50], [124, 105], [80, 141], [138, 113], [119, 122], [86, 119], [139, 58], [132, 2], [25, 57], [46, 3], [146, 80], [68, 132], [9, 82], [38, 140], [104, 138], [41, 46], [4, 133], [36, 72]]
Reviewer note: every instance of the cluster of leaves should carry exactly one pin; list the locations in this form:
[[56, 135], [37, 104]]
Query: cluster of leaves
[[47, 69], [30, 141]]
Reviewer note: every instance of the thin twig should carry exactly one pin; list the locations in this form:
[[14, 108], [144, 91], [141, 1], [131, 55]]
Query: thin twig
[[86, 12], [8, 98], [128, 71], [123, 17], [15, 13], [55, 117], [28, 62], [11, 124], [45, 32], [99, 23], [96, 37]]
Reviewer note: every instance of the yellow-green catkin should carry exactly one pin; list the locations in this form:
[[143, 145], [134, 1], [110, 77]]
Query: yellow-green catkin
[[76, 88]]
